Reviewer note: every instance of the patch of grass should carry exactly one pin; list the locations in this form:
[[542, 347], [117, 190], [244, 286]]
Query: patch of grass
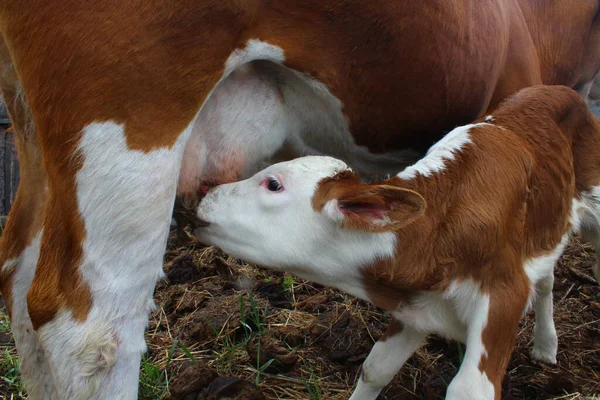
[[230, 353], [255, 322], [9, 361], [10, 372], [313, 388], [154, 381], [288, 281], [261, 369], [4, 322]]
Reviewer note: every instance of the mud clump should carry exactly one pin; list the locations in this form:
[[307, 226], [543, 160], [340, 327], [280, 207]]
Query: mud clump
[[230, 388], [184, 269], [314, 304], [188, 384], [560, 383], [220, 315], [331, 333], [290, 335], [268, 350], [275, 293]]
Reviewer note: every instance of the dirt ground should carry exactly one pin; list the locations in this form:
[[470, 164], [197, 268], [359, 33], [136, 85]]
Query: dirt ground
[[222, 326]]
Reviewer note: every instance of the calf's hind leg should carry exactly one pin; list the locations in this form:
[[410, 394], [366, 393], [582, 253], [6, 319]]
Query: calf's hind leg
[[545, 340]]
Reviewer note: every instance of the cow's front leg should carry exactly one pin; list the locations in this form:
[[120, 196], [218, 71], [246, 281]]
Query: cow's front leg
[[105, 230], [386, 358]]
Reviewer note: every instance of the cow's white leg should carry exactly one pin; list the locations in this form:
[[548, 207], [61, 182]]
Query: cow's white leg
[[125, 199], [385, 360], [545, 341], [34, 367]]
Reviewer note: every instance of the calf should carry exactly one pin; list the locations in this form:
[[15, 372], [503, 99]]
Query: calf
[[458, 244]]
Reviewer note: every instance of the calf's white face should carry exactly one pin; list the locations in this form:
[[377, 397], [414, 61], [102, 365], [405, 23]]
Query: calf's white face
[[269, 219], [272, 219]]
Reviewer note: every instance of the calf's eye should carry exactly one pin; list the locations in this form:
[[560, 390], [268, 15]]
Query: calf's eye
[[273, 185]]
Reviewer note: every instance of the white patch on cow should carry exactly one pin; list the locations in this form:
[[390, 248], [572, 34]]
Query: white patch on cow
[[543, 266], [384, 361], [440, 153], [125, 198], [263, 113], [35, 370], [282, 231], [489, 118], [254, 50]]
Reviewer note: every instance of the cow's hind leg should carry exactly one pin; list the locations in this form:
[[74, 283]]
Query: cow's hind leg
[[20, 242]]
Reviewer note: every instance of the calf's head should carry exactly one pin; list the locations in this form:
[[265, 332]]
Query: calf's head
[[311, 216]]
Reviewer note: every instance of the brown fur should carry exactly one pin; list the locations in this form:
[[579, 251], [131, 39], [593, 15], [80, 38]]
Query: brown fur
[[505, 199]]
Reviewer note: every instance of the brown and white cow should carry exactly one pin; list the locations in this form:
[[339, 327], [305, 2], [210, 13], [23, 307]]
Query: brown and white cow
[[118, 105], [458, 244]]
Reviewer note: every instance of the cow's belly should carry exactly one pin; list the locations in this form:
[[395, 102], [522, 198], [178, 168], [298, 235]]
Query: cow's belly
[[264, 113]]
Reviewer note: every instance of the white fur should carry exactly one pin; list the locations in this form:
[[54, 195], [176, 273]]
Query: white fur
[[470, 383], [543, 266], [489, 118], [540, 271], [446, 314], [440, 153], [332, 210], [249, 222], [459, 313], [35, 370], [125, 198]]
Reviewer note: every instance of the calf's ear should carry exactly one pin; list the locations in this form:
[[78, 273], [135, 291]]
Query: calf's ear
[[374, 208]]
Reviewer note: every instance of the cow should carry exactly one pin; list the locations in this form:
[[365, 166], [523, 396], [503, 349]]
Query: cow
[[110, 104], [459, 244]]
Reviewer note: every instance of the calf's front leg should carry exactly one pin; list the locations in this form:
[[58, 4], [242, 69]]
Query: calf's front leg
[[492, 320], [386, 358]]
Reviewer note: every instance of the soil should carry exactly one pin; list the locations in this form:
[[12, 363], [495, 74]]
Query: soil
[[237, 326]]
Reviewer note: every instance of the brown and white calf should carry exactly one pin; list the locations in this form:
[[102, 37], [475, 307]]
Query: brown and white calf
[[458, 244]]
